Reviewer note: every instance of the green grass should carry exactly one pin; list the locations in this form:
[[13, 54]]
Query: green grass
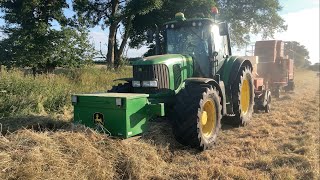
[[23, 94]]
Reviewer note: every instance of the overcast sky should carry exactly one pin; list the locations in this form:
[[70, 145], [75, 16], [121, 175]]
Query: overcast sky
[[302, 18]]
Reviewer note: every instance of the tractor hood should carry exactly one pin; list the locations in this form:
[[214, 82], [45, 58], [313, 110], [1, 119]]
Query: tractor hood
[[160, 59]]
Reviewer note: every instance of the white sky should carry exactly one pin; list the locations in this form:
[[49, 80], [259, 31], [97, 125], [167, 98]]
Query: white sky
[[303, 27]]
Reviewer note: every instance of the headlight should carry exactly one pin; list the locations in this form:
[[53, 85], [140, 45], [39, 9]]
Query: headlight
[[136, 84], [149, 83], [74, 99]]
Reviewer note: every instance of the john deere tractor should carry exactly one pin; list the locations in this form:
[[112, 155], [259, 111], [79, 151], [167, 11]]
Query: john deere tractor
[[194, 82]]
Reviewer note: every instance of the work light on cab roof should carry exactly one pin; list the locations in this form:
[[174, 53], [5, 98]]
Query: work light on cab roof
[[180, 16], [214, 12]]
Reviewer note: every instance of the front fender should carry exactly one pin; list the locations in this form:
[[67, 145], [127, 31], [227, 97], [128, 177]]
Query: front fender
[[218, 85]]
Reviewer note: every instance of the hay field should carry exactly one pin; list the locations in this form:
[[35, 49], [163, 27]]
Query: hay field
[[283, 144]]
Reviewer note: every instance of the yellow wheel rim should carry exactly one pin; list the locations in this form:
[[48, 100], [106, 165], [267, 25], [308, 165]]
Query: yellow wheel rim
[[208, 118], [245, 97]]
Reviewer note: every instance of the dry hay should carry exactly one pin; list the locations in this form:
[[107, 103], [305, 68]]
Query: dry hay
[[283, 144]]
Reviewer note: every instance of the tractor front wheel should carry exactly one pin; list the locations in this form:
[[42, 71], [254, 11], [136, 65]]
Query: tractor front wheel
[[197, 116]]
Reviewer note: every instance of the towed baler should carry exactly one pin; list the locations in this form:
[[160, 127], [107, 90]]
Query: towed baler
[[194, 82], [274, 67]]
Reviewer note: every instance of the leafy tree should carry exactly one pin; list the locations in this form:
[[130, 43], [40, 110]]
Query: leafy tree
[[154, 19], [315, 67], [134, 17], [251, 16], [298, 53], [113, 14], [244, 17], [32, 41]]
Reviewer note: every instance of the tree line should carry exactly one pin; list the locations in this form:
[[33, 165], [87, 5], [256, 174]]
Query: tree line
[[40, 35], [298, 53]]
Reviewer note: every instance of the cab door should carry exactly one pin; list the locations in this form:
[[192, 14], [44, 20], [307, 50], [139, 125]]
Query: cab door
[[219, 45]]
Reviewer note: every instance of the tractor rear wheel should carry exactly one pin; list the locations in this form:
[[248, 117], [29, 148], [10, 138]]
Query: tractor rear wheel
[[197, 116], [122, 88], [243, 97]]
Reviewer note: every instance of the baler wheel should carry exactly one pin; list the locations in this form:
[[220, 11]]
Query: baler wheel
[[122, 88], [243, 97], [277, 93], [268, 105], [290, 86], [197, 116]]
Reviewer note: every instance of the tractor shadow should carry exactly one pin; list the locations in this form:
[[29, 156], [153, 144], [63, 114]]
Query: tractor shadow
[[285, 97], [36, 123], [161, 135], [227, 124]]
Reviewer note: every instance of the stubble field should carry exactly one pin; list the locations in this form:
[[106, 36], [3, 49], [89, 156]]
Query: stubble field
[[283, 144]]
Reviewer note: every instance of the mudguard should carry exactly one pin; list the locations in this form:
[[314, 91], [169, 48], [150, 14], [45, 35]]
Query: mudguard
[[219, 86], [230, 71]]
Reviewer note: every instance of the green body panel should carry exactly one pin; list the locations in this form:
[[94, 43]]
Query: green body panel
[[160, 59], [225, 72], [124, 121], [226, 69], [185, 61]]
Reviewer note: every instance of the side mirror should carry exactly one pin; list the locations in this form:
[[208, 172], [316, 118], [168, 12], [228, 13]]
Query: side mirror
[[150, 36], [223, 29]]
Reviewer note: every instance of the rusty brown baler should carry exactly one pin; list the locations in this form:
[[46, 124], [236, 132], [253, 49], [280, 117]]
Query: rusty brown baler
[[276, 69]]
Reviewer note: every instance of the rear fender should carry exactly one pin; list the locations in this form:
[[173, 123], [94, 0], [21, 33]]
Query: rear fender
[[230, 71], [219, 86], [236, 67]]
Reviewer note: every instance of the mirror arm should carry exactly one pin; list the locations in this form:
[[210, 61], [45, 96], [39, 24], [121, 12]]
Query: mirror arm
[[157, 40]]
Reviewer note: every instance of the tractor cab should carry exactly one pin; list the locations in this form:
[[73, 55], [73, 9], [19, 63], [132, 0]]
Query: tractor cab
[[202, 38]]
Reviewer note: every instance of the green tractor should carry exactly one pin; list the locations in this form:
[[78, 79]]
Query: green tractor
[[195, 82]]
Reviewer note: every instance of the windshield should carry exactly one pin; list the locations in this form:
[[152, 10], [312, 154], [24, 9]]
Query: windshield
[[188, 40]]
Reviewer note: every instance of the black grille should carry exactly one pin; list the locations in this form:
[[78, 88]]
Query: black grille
[[158, 72], [177, 75]]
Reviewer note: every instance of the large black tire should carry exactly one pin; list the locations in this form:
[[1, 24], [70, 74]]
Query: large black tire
[[243, 97], [122, 88], [277, 92], [192, 104], [268, 105], [290, 86]]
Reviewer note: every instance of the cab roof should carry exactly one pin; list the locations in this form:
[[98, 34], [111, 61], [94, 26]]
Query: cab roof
[[188, 22]]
